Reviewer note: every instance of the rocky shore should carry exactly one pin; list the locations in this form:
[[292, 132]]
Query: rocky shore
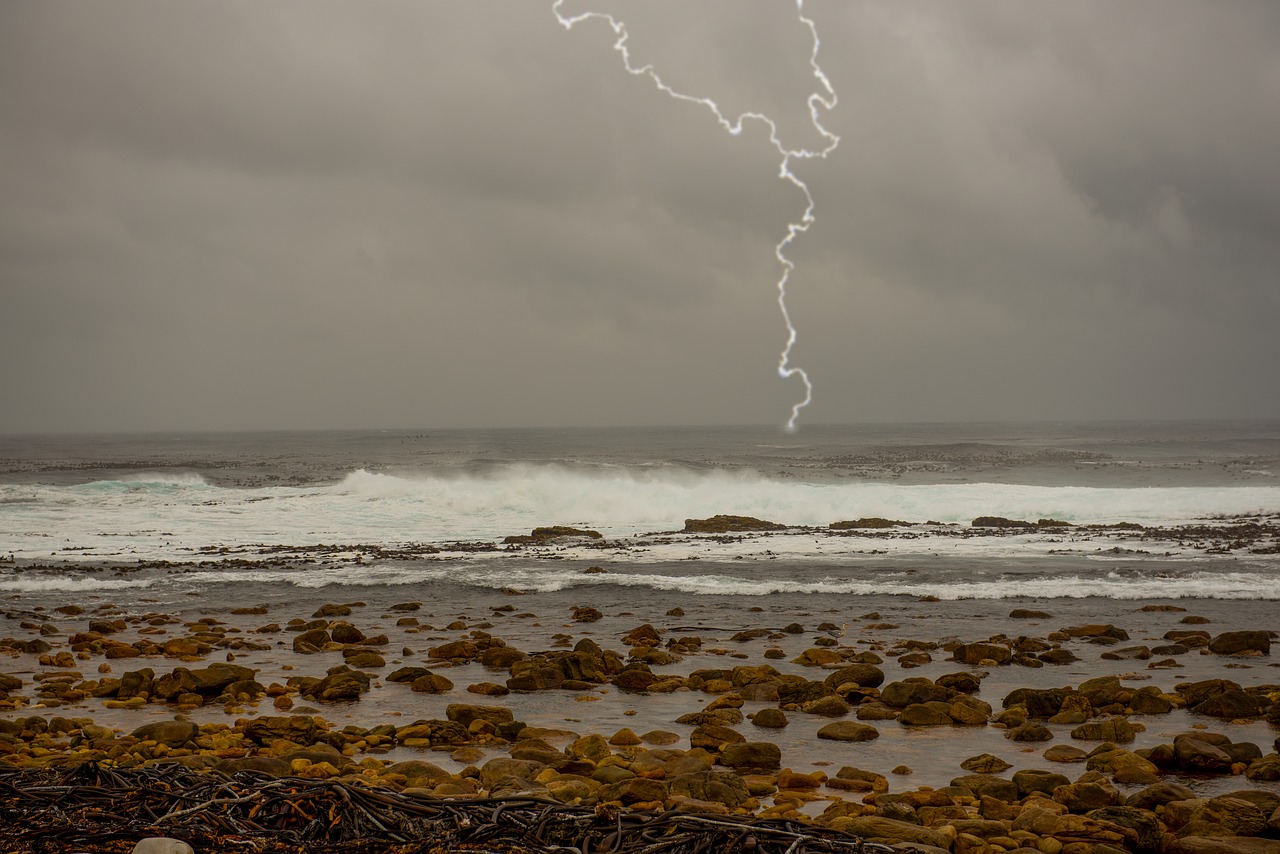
[[448, 706]]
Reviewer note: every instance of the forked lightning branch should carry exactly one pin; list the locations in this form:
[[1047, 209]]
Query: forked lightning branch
[[824, 99]]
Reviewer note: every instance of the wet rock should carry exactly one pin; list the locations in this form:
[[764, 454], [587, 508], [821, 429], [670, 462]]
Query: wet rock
[[770, 718], [887, 829], [431, 683], [1065, 753], [462, 650], [831, 707], [162, 845], [1030, 780], [1083, 797], [908, 692], [977, 653], [407, 674], [934, 713], [1143, 823], [713, 737], [1223, 845], [848, 731], [550, 533], [1117, 730], [1232, 643], [535, 674], [1194, 752], [1265, 769], [346, 633], [170, 733], [1231, 704], [333, 610], [715, 787], [862, 675], [751, 756], [311, 641], [985, 763], [722, 524], [1096, 630], [343, 685], [1029, 731], [1027, 614], [465, 713], [585, 614], [1000, 522]]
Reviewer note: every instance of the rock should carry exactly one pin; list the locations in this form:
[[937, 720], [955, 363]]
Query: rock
[[712, 737], [311, 641], [1119, 762], [1231, 704], [985, 784], [1030, 780], [1029, 731], [162, 845], [432, 684], [1085, 797], [771, 718], [419, 773], [1026, 614], [848, 731], [535, 674], [465, 713], [1195, 753], [873, 522], [907, 692], [1238, 817], [1223, 845], [985, 763], [1065, 753], [831, 707], [344, 685], [346, 633], [875, 827], [751, 756], [457, 650], [862, 675], [1267, 768], [1096, 630], [546, 534], [1142, 822], [1117, 730], [1231, 643], [407, 674], [934, 713], [170, 733], [585, 614], [1159, 794], [1000, 522], [710, 786], [728, 525], [976, 653]]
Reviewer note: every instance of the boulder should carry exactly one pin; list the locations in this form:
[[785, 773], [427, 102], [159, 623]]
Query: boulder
[[862, 675], [722, 524], [1231, 643], [169, 733], [848, 731], [751, 756]]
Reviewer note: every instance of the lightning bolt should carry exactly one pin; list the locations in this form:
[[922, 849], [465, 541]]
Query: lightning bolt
[[823, 99]]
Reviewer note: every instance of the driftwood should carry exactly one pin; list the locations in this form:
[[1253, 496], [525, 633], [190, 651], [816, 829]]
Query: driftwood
[[98, 809]]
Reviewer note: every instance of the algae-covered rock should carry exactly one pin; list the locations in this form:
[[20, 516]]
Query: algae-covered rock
[[722, 524]]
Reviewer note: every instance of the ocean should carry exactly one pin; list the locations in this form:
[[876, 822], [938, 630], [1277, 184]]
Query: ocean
[[1154, 525], [1174, 510]]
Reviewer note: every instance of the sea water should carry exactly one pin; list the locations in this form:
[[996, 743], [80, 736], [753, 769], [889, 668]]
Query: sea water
[[402, 507]]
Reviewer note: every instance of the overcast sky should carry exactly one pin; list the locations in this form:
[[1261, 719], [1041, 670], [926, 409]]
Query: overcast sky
[[306, 213]]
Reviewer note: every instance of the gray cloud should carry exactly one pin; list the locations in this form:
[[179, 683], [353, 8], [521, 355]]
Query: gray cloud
[[420, 213]]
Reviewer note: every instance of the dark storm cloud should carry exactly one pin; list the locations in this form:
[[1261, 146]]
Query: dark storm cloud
[[239, 214]]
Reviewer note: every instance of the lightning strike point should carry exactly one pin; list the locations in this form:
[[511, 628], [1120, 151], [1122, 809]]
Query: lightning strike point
[[823, 100]]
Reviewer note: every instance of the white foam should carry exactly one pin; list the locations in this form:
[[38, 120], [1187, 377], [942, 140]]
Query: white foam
[[31, 583], [172, 516]]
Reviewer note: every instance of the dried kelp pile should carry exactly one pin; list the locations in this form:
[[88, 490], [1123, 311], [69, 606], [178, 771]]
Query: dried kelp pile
[[91, 808]]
